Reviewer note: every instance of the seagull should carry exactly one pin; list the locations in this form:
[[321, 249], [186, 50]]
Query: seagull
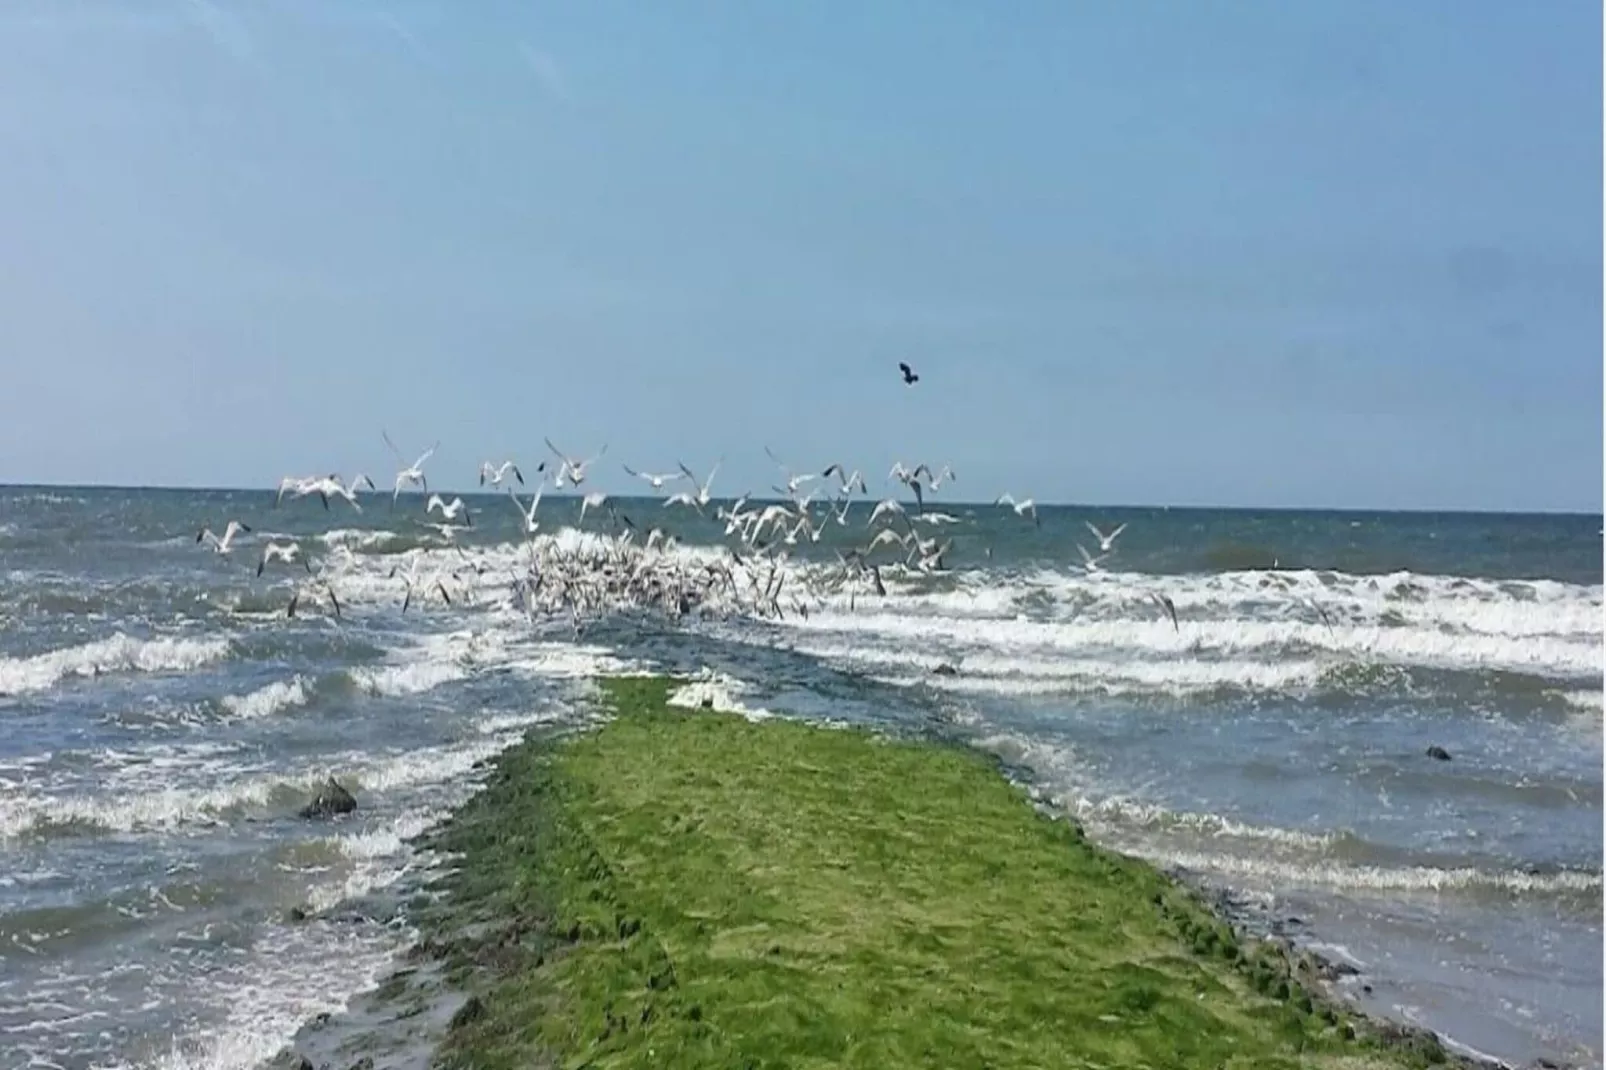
[[656, 480], [593, 500], [528, 515], [1322, 613], [438, 585], [413, 579], [1026, 507], [225, 544], [295, 486], [1166, 604], [886, 505], [793, 482], [936, 481], [1106, 542], [885, 537], [776, 515], [848, 482], [911, 479], [686, 498], [411, 475], [295, 600], [703, 496], [496, 473], [909, 376], [935, 518], [330, 487], [573, 470], [286, 552], [1090, 563], [449, 512]]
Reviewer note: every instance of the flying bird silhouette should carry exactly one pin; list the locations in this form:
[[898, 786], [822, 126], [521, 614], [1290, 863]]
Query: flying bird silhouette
[[909, 376]]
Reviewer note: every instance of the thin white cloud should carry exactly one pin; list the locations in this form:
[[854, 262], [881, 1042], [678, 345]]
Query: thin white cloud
[[546, 70]]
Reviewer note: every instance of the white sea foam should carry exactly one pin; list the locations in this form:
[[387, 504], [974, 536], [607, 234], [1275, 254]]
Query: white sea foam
[[200, 807], [1286, 874], [1584, 700], [1135, 812], [982, 671], [118, 653], [266, 701], [290, 974], [1550, 656], [717, 691], [360, 539], [391, 681]]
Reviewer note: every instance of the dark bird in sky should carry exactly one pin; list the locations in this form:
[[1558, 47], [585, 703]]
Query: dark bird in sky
[[909, 376]]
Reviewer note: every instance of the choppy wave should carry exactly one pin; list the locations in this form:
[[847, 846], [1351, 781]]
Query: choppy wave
[[118, 653], [1007, 631], [261, 794], [1285, 874], [266, 701], [393, 680]]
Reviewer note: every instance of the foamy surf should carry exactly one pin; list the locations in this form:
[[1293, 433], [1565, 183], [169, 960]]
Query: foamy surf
[[266, 701], [264, 794], [1284, 875], [1221, 639], [118, 653], [717, 691], [391, 681]]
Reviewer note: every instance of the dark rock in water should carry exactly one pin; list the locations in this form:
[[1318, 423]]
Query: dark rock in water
[[297, 914], [290, 1060], [708, 703], [472, 1010], [330, 800], [1424, 1044], [946, 669], [1438, 753]]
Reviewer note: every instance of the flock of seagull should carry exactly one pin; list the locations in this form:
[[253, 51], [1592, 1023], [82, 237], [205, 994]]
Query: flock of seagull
[[626, 568]]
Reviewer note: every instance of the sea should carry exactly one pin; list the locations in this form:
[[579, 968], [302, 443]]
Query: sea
[[163, 721]]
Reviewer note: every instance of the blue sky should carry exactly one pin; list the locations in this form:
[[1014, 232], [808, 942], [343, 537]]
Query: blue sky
[[1248, 253]]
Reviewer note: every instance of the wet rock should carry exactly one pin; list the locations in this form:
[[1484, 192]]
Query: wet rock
[[1422, 1043], [1438, 753], [331, 799], [472, 1010], [291, 1060], [296, 915], [946, 669]]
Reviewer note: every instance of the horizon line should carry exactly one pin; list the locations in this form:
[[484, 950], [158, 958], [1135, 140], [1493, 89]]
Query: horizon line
[[1599, 513]]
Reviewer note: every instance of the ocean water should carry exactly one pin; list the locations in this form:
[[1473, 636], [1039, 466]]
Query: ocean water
[[163, 720]]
